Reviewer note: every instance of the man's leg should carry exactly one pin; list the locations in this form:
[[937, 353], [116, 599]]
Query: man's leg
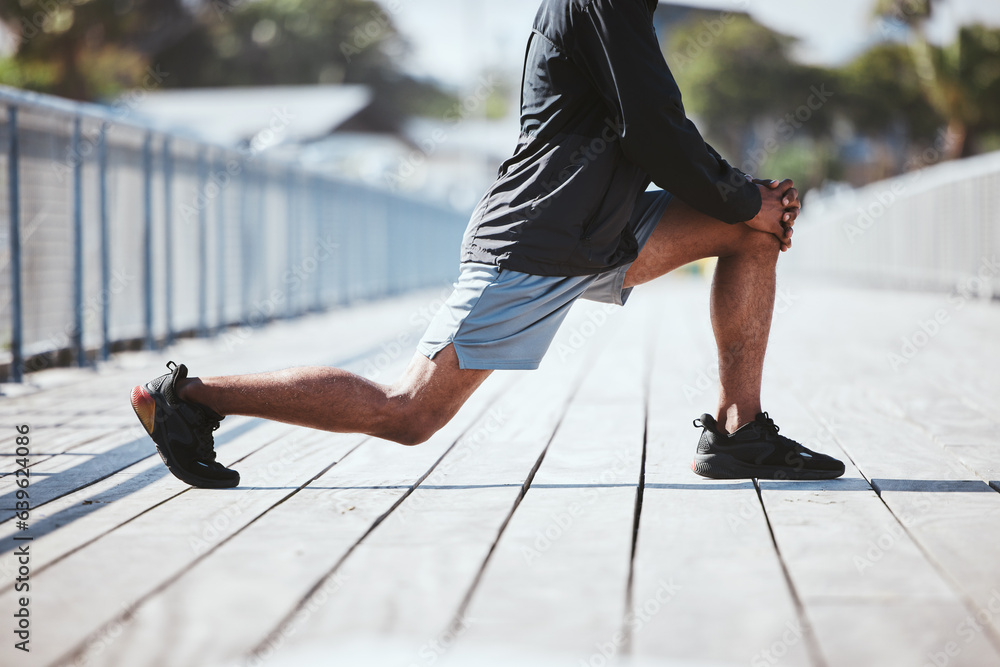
[[742, 295], [409, 411]]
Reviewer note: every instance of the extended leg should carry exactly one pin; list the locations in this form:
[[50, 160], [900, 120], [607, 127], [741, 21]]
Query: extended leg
[[742, 296], [409, 411]]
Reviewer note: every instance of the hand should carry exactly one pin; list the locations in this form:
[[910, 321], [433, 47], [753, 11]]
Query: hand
[[780, 207]]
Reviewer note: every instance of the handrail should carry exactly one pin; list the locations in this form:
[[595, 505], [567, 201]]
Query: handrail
[[933, 228], [206, 242]]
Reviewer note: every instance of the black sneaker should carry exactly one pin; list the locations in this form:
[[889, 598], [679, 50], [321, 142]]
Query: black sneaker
[[182, 431], [755, 450]]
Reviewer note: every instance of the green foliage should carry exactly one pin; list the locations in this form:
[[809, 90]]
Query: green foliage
[[747, 94], [30, 75], [807, 161], [881, 92], [94, 49], [909, 12], [959, 80], [83, 49], [978, 80], [272, 42], [741, 76]]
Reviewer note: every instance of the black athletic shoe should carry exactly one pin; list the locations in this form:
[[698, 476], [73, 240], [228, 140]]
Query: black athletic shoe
[[182, 431], [755, 450]]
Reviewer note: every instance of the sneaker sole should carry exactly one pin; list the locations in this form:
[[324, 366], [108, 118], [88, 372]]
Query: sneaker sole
[[723, 466], [144, 407]]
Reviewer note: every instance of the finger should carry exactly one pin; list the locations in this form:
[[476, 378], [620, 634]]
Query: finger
[[791, 198], [777, 229], [767, 182], [786, 186], [789, 217]]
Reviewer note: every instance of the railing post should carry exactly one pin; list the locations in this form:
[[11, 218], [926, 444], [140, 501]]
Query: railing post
[[220, 247], [317, 226], [16, 320], [102, 202], [291, 238], [78, 352], [244, 246], [202, 201], [168, 238], [147, 248]]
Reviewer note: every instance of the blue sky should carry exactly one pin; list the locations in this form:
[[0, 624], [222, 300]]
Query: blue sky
[[454, 40]]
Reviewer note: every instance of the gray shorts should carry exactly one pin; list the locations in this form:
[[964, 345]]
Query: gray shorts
[[502, 319]]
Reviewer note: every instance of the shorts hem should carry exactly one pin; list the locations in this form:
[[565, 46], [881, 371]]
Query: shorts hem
[[493, 365], [465, 363], [620, 292], [431, 352]]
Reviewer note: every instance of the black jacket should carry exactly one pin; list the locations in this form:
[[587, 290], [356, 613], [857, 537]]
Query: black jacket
[[601, 117]]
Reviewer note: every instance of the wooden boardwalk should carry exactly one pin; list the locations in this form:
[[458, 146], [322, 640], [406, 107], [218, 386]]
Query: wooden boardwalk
[[555, 521]]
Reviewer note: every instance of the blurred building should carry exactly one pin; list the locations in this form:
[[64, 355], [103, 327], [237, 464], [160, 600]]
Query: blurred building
[[326, 129], [271, 115]]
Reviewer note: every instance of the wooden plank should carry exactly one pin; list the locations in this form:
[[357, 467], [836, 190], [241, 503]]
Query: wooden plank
[[704, 557], [923, 485], [285, 553], [557, 578], [89, 461], [279, 593], [145, 553], [860, 571], [356, 323], [408, 579], [922, 433], [983, 460], [58, 475], [943, 505], [79, 517], [894, 633], [46, 443], [844, 549]]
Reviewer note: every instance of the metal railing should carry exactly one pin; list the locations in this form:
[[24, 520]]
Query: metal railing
[[936, 228], [120, 231]]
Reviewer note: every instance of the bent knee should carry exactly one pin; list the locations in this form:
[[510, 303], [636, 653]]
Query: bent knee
[[412, 435], [412, 426], [761, 245]]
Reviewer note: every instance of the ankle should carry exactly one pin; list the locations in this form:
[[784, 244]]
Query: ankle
[[733, 416], [193, 390], [188, 390]]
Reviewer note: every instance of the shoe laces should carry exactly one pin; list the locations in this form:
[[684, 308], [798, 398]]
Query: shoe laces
[[767, 424], [771, 432], [203, 429]]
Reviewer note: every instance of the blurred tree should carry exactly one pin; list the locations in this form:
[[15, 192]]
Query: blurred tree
[[742, 76], [750, 98], [270, 42], [760, 106], [90, 49], [960, 80], [84, 49], [979, 81], [882, 93]]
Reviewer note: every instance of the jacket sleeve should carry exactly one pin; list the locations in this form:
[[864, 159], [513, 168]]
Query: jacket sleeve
[[615, 45]]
